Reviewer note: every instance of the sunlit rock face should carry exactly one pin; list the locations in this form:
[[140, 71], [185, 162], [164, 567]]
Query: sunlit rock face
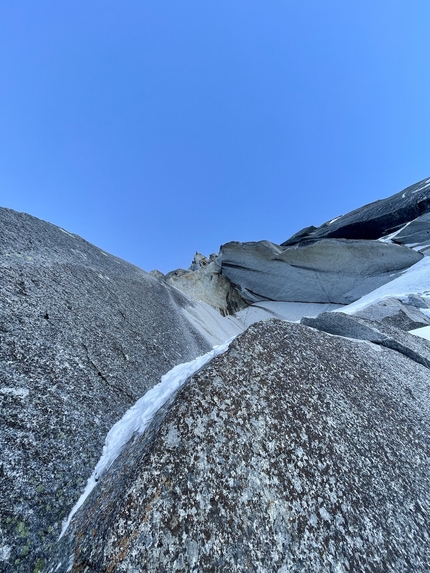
[[296, 450], [204, 282], [83, 335], [326, 271]]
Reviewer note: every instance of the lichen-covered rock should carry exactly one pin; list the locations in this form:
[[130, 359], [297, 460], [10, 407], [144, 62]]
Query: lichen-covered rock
[[83, 335], [326, 271], [294, 451]]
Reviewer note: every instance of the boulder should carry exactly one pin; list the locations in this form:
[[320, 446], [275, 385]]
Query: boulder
[[341, 324], [398, 313], [336, 271], [374, 220], [83, 335], [293, 451]]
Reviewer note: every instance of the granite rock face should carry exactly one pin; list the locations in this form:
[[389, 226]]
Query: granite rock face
[[416, 234], [83, 335], [204, 282], [402, 314], [374, 220], [336, 271], [207, 284], [294, 451], [348, 326]]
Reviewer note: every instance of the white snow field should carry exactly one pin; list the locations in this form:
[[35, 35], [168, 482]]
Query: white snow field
[[211, 325], [423, 332], [139, 416], [415, 280], [291, 311]]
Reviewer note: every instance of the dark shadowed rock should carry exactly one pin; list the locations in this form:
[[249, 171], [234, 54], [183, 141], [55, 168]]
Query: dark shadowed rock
[[294, 451], [326, 271], [416, 234], [374, 220], [83, 335]]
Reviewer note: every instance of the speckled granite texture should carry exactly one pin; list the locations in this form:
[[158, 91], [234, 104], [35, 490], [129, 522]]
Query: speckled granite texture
[[83, 335], [294, 451]]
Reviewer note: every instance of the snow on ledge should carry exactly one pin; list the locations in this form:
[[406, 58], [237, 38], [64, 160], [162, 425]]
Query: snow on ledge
[[139, 416], [421, 332], [415, 280]]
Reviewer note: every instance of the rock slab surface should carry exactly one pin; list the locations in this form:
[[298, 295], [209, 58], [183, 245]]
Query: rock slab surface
[[336, 271], [294, 451], [83, 335]]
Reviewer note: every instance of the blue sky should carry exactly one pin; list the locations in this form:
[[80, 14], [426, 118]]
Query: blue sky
[[157, 128]]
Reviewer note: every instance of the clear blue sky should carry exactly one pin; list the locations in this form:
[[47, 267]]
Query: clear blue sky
[[157, 128]]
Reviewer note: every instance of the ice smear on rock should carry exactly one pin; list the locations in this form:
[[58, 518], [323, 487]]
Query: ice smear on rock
[[139, 416]]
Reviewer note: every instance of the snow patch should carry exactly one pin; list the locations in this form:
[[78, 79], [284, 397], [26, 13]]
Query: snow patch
[[211, 325], [415, 280], [291, 311], [421, 332], [139, 416], [23, 392], [66, 232]]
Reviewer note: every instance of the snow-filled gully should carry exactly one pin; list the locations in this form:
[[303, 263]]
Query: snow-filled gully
[[139, 416]]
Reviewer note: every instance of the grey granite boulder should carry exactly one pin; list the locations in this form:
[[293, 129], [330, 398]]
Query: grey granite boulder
[[374, 220], [341, 324], [399, 313], [326, 271], [295, 451], [83, 335]]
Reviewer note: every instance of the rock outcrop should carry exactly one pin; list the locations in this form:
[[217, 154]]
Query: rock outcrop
[[403, 314], [305, 447], [326, 271], [83, 335], [375, 220], [294, 451], [203, 282], [416, 234]]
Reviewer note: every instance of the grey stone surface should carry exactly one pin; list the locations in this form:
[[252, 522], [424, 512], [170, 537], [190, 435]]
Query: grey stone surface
[[388, 336], [334, 271], [83, 335], [416, 234], [294, 451], [374, 220], [401, 314], [205, 283]]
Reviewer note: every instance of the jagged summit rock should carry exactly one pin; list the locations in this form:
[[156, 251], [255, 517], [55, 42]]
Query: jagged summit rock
[[204, 282]]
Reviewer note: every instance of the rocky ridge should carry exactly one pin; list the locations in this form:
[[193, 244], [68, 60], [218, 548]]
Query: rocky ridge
[[305, 447]]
